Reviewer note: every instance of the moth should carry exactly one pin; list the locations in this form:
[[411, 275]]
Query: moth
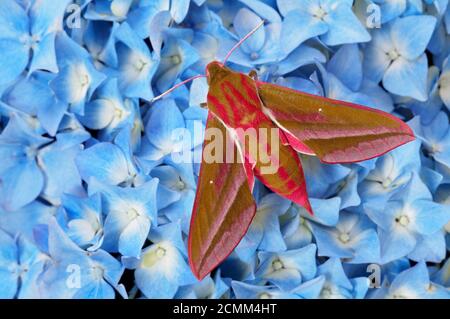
[[334, 131]]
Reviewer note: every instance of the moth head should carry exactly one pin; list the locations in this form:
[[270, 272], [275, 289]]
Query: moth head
[[215, 71]]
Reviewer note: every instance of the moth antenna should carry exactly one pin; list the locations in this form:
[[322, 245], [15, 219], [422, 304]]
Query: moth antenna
[[237, 45], [176, 87]]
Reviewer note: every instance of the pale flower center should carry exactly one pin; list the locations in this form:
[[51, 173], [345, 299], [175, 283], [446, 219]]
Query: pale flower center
[[176, 59], [98, 272], [386, 182], [301, 221], [160, 252], [277, 265], [152, 257], [320, 13], [403, 220], [132, 214], [140, 65], [180, 185], [84, 80], [344, 238], [30, 41], [435, 148], [118, 113], [393, 54], [326, 293]]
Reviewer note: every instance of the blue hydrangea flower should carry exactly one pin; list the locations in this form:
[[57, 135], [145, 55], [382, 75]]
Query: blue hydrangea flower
[[413, 283], [32, 96], [396, 56], [137, 65], [262, 47], [333, 21], [248, 291], [353, 238], [73, 273], [162, 138], [337, 285], [436, 138], [348, 81], [29, 33], [287, 269], [176, 192], [109, 163], [78, 77], [110, 113], [26, 156], [432, 106], [107, 109], [391, 173], [141, 16], [176, 57], [21, 265], [83, 221], [264, 232], [22, 178], [407, 220], [99, 40], [298, 229], [162, 268], [209, 288], [130, 213]]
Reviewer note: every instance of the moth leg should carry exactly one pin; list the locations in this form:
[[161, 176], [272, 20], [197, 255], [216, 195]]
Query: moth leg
[[253, 75]]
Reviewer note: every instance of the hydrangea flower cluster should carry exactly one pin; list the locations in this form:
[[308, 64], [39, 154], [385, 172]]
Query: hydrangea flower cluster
[[92, 205]]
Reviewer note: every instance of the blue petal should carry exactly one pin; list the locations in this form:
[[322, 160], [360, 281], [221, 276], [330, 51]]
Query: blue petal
[[265, 11], [408, 78], [61, 172], [13, 20], [13, 59], [44, 56], [245, 21], [140, 18], [376, 60], [179, 10], [21, 185], [430, 216], [164, 120], [286, 6], [429, 248], [412, 34], [104, 162], [299, 26], [299, 57], [395, 243], [136, 64], [344, 27], [346, 64], [132, 238], [414, 280]]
